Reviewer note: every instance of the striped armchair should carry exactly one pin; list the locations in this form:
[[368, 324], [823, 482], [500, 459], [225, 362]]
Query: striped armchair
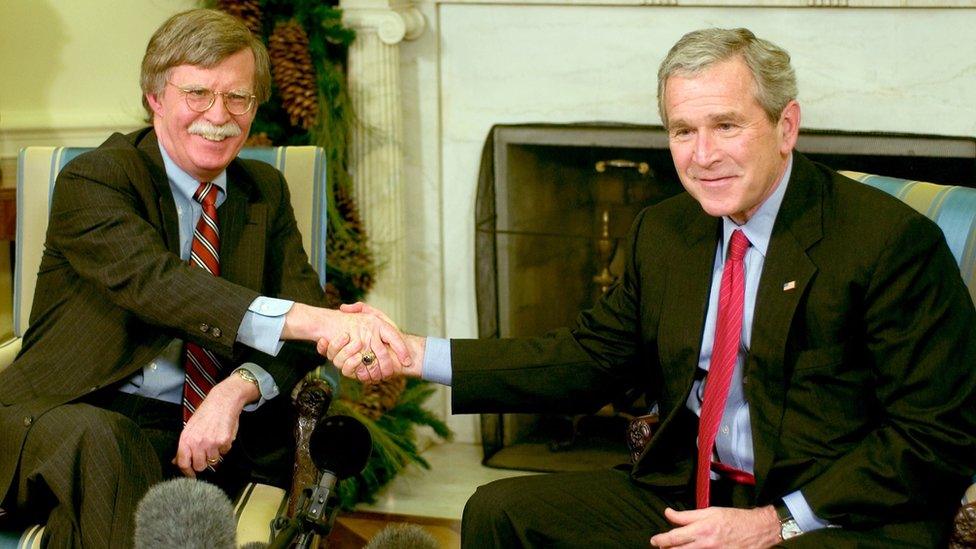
[[953, 209], [37, 170]]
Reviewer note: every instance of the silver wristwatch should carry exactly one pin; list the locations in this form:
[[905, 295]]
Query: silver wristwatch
[[788, 528]]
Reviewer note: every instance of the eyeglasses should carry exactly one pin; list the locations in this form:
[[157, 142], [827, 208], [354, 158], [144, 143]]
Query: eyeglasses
[[201, 99]]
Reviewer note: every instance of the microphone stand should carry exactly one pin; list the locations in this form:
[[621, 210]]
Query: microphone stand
[[312, 517]]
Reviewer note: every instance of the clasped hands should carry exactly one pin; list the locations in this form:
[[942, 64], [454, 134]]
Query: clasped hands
[[372, 349]]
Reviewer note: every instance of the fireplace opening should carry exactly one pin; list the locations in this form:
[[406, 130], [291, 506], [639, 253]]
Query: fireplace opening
[[553, 204]]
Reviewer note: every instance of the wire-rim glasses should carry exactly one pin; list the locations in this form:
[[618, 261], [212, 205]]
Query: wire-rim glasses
[[200, 99]]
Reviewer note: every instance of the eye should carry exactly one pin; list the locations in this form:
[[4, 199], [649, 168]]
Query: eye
[[198, 93], [726, 126], [238, 97], [680, 133]]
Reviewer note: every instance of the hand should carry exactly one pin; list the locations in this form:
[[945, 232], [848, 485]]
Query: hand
[[362, 332], [346, 355], [720, 527], [212, 428]]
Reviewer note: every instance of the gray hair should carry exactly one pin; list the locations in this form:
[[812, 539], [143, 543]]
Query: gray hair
[[204, 38], [769, 64]]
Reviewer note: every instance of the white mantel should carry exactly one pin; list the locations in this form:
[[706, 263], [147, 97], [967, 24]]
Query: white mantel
[[906, 66]]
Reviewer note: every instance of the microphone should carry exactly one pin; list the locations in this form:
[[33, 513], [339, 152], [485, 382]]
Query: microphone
[[340, 447], [402, 536], [185, 513]]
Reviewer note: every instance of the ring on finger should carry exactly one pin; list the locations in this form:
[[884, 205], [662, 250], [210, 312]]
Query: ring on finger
[[369, 357], [213, 461]]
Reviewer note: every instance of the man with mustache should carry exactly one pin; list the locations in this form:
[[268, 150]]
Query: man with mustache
[[809, 341], [174, 305]]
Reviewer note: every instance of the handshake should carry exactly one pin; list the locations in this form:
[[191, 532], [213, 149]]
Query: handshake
[[359, 340]]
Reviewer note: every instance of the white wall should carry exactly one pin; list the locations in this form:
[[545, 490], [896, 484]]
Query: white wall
[[70, 69]]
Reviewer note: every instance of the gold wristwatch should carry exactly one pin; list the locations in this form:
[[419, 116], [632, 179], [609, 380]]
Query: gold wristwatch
[[247, 375], [788, 527]]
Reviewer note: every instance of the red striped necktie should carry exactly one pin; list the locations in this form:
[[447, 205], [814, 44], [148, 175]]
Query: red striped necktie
[[725, 350], [202, 367]]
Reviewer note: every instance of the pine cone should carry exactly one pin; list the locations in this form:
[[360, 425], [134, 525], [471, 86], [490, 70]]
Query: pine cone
[[349, 252], [381, 398], [333, 298], [291, 65], [258, 140], [248, 11]]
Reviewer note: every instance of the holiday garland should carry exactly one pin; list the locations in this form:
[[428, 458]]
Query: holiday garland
[[309, 105]]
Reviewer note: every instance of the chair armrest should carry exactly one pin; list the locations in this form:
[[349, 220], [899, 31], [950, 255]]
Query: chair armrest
[[9, 350]]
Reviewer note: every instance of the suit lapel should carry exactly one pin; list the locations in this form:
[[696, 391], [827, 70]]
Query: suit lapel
[[149, 148], [787, 272], [683, 319], [241, 230]]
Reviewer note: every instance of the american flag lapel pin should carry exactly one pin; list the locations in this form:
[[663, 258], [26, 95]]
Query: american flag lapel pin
[[789, 286]]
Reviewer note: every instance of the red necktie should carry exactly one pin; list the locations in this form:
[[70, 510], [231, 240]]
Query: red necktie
[[725, 349], [202, 367]]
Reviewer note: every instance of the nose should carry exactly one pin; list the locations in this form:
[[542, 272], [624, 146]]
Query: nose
[[218, 113], [704, 152]]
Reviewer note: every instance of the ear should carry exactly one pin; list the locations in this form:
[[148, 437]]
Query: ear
[[154, 103], [789, 127]]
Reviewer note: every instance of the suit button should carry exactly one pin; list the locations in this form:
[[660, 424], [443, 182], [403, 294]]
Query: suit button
[[204, 327], [28, 420], [216, 332]]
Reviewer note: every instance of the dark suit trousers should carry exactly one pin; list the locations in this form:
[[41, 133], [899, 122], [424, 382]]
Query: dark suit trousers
[[85, 466], [605, 509]]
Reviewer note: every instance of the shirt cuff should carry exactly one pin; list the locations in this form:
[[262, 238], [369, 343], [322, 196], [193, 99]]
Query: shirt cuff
[[802, 513], [437, 361], [266, 385], [263, 323]]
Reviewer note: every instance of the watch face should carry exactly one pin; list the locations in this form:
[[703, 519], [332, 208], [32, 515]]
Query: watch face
[[789, 529]]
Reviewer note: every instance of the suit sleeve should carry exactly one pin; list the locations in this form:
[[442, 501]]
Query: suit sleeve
[[920, 331]]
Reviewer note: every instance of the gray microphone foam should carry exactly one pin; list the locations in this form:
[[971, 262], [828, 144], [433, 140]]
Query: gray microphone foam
[[185, 513], [402, 536]]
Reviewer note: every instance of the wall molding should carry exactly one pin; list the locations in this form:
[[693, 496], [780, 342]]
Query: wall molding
[[14, 139]]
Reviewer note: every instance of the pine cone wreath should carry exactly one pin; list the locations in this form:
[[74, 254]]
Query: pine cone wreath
[[248, 11], [258, 140], [349, 251], [381, 398], [294, 73]]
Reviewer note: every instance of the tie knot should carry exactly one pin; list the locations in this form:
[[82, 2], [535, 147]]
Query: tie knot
[[738, 245], [206, 193]]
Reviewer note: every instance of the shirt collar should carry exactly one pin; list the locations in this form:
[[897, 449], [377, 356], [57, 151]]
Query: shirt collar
[[759, 228], [186, 184]]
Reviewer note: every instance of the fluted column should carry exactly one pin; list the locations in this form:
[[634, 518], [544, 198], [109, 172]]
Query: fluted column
[[376, 153]]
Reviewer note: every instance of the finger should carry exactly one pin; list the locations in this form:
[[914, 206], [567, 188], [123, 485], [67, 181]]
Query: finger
[[322, 347], [395, 340], [362, 374], [183, 461], [342, 356], [199, 460], [336, 345], [678, 537], [356, 307], [681, 518]]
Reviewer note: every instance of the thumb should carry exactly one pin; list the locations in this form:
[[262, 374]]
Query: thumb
[[681, 518], [356, 307]]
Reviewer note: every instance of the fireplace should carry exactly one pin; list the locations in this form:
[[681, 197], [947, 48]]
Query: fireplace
[[553, 203]]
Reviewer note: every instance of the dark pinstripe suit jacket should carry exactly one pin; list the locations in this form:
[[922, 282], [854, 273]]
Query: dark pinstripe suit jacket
[[112, 290], [860, 376]]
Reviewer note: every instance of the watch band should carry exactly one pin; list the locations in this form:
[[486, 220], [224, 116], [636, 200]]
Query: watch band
[[247, 375]]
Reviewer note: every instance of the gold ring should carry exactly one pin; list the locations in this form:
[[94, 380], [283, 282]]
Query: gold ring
[[369, 357], [213, 461]]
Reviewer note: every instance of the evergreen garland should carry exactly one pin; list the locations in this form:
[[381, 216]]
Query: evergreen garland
[[350, 264]]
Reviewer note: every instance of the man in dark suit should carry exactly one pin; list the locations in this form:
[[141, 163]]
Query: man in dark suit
[[164, 250], [808, 339]]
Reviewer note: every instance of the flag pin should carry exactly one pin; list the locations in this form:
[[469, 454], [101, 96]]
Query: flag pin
[[789, 286]]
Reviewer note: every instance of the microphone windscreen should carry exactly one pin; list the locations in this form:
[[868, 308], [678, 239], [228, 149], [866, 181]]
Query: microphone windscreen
[[402, 536], [341, 445], [185, 513]]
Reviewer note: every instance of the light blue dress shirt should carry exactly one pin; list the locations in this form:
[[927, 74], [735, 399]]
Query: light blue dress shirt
[[260, 329], [733, 443]]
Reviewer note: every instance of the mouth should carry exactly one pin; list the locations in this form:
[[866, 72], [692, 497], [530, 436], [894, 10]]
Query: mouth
[[215, 137]]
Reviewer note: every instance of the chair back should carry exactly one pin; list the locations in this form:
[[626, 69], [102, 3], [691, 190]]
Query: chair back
[[953, 208], [38, 168]]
